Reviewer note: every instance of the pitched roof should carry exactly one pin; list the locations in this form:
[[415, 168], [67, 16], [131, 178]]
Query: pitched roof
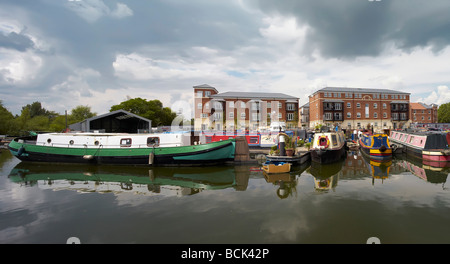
[[204, 86], [254, 95], [359, 90], [416, 106]]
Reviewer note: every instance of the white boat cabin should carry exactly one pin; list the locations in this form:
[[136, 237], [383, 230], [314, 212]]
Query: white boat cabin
[[113, 140], [331, 140]]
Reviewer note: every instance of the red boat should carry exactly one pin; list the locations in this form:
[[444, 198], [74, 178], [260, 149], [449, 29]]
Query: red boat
[[431, 147]]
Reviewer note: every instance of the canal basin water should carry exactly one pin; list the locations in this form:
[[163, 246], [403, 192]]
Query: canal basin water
[[346, 202]]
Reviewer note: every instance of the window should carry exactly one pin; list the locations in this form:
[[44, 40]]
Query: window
[[125, 142], [280, 116], [334, 140], [349, 105], [358, 115], [243, 115], [152, 141], [200, 94], [375, 115], [290, 116], [328, 116], [280, 105], [338, 106], [254, 106], [349, 115], [242, 105], [324, 94], [199, 106], [207, 93], [231, 104], [358, 105], [291, 107], [204, 115], [384, 106], [206, 105], [384, 115], [375, 105], [231, 114]]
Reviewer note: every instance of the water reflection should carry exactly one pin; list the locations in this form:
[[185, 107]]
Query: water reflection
[[286, 182], [426, 172], [175, 181], [325, 175], [138, 180]]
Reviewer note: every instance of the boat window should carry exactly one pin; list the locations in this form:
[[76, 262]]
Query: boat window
[[71, 142], [253, 140], [152, 141], [125, 142], [411, 139], [49, 140], [334, 139]]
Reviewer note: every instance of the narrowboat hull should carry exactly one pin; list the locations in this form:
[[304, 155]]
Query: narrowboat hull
[[205, 154], [431, 148], [376, 147], [326, 156], [328, 147]]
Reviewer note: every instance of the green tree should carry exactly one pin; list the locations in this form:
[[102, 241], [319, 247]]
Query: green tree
[[6, 120], [80, 113], [444, 113], [152, 110]]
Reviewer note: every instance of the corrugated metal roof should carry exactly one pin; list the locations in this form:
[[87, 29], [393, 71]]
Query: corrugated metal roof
[[253, 95]]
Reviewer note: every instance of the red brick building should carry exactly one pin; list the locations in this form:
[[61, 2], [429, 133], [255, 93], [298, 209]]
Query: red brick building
[[359, 108], [423, 113], [242, 110]]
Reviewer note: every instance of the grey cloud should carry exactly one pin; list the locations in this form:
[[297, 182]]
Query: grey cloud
[[16, 41], [352, 28]]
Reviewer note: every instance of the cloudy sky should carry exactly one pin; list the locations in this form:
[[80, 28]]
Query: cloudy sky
[[66, 53]]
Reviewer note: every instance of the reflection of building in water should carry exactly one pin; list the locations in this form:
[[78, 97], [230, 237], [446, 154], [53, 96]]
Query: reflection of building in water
[[164, 181], [355, 166]]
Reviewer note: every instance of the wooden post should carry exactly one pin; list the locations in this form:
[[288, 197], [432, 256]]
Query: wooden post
[[242, 152]]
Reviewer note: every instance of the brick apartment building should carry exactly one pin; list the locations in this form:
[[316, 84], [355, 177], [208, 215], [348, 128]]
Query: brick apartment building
[[423, 113], [359, 108], [242, 110]]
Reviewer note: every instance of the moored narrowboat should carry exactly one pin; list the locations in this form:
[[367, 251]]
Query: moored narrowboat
[[121, 148], [328, 147], [429, 146], [376, 146]]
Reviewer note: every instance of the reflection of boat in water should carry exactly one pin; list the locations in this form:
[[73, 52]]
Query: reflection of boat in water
[[106, 178], [428, 173], [276, 167], [287, 182], [325, 175], [378, 169]]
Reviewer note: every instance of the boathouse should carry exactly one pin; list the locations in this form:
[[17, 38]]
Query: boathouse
[[119, 121]]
